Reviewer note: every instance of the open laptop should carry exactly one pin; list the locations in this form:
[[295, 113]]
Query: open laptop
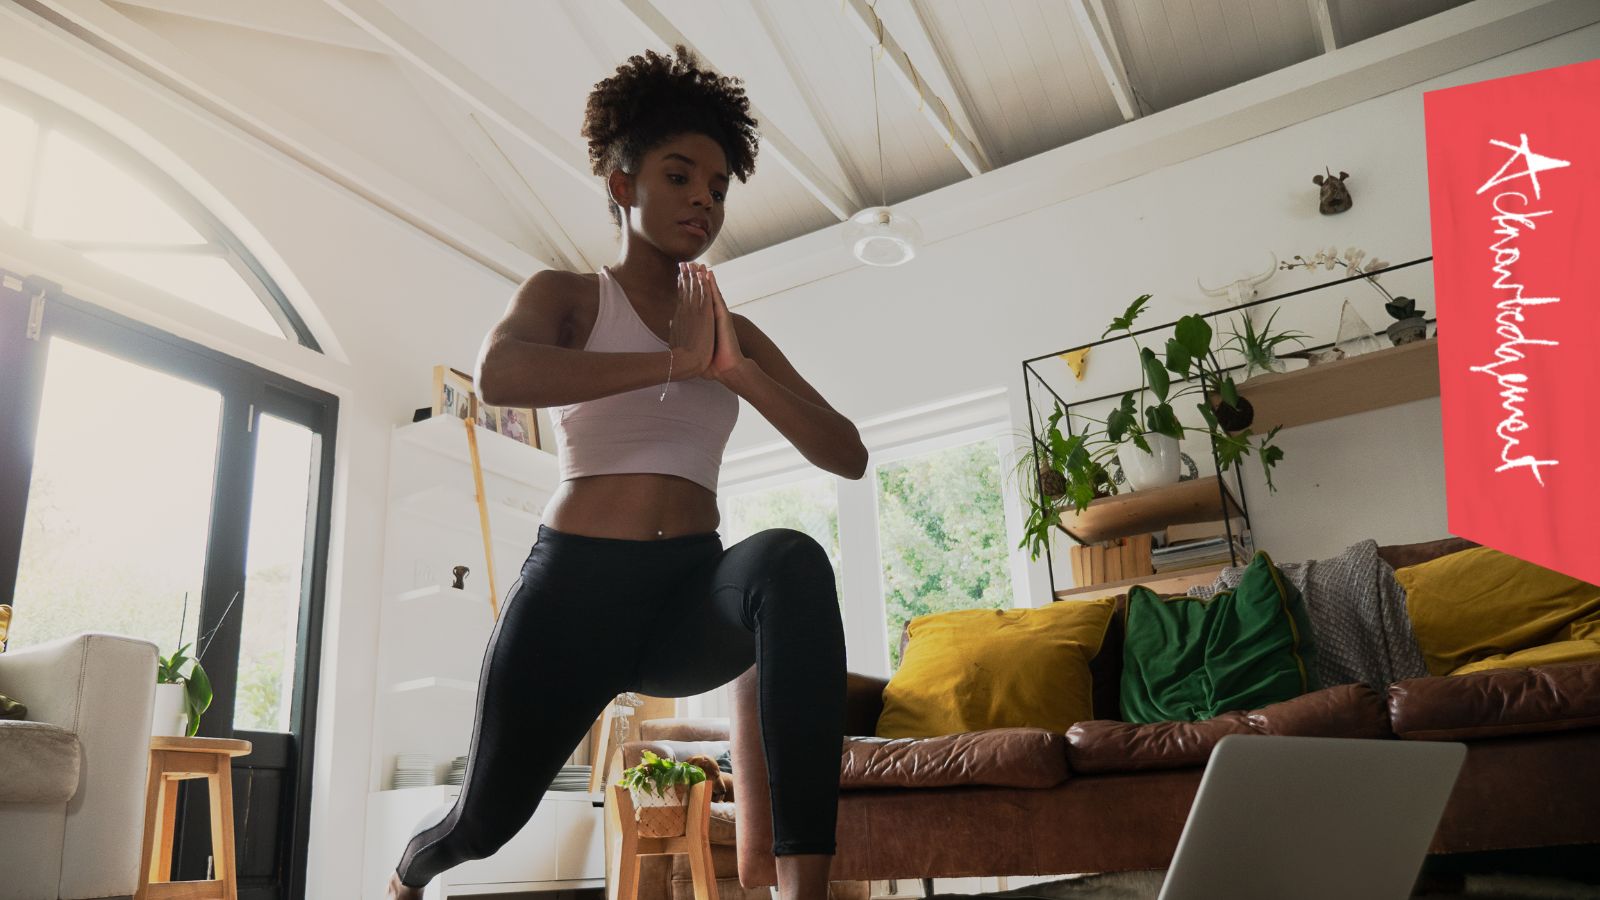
[[1310, 818]]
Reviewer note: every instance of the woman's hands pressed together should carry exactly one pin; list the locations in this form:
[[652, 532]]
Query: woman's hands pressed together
[[700, 302]]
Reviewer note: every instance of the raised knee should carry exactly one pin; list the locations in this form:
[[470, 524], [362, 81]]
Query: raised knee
[[790, 547]]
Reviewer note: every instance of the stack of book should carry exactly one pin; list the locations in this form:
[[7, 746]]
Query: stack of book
[[1116, 560], [1202, 544]]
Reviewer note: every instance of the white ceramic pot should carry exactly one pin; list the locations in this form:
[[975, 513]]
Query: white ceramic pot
[[1161, 466], [168, 717]]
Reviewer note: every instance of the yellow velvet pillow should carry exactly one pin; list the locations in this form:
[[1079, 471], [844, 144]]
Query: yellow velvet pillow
[[974, 669], [1482, 609]]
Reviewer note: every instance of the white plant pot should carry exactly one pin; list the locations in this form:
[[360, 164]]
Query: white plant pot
[[168, 717], [1163, 465]]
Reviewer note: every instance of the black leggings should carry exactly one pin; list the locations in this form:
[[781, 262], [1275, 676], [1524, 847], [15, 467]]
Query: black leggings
[[591, 617]]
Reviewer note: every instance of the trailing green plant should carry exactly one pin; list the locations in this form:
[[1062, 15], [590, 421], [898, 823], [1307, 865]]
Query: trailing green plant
[[1188, 361], [1259, 348], [654, 775]]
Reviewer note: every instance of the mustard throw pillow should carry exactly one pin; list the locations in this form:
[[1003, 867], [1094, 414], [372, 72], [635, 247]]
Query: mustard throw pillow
[[974, 669], [1482, 609]]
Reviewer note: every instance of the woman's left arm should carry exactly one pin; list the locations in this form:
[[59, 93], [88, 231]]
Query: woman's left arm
[[765, 378]]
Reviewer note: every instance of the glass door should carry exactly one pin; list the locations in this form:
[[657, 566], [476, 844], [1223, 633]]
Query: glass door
[[155, 488]]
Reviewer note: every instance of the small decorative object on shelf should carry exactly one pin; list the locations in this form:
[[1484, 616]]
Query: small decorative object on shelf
[[1242, 291], [1355, 335], [1334, 197], [659, 789], [1411, 324], [460, 573], [1260, 348]]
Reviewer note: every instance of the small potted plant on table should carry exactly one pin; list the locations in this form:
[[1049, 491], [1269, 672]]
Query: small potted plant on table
[[659, 789]]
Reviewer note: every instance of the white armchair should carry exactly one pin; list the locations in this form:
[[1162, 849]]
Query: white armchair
[[72, 776]]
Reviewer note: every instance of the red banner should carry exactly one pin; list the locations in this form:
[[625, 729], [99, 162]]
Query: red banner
[[1514, 196]]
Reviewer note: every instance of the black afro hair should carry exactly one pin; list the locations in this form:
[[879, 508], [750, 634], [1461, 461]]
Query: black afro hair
[[652, 99]]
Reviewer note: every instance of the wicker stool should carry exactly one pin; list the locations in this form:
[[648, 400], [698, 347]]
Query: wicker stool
[[175, 759], [695, 841]]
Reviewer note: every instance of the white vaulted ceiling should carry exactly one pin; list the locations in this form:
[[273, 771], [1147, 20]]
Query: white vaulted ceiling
[[463, 117]]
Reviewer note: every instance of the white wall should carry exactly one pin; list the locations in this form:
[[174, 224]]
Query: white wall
[[394, 303]]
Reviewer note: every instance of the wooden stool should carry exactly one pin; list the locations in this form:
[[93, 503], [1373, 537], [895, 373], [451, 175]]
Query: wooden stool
[[695, 841], [175, 759]]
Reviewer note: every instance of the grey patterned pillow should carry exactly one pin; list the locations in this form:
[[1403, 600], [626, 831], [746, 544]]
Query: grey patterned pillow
[[1358, 611]]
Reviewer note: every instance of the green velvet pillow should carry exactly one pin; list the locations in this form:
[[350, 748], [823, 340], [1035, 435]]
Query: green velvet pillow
[[1191, 658], [11, 709]]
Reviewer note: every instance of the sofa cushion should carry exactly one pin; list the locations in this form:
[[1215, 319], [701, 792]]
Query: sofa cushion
[[1476, 608], [979, 669], [999, 757], [1194, 658], [1497, 702], [38, 763], [1346, 710]]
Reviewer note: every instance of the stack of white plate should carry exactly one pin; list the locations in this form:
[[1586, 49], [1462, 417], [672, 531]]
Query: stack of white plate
[[413, 770], [572, 778], [458, 771]]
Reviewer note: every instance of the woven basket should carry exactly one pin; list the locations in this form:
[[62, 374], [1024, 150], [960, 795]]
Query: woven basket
[[661, 817]]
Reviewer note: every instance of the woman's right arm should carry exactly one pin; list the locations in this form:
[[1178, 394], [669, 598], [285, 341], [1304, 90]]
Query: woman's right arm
[[522, 365]]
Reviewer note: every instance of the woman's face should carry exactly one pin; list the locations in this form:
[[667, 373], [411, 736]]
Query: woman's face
[[678, 196]]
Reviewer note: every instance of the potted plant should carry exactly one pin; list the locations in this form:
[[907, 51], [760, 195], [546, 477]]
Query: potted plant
[[1079, 460], [1260, 348], [183, 690], [1411, 324], [660, 792]]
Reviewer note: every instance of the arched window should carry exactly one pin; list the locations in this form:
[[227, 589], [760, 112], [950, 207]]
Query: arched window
[[62, 179]]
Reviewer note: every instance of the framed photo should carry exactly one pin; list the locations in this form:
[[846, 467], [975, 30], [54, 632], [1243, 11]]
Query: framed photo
[[519, 424], [452, 393], [488, 416]]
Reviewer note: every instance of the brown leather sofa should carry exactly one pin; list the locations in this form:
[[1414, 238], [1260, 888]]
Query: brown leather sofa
[[664, 877], [1111, 796]]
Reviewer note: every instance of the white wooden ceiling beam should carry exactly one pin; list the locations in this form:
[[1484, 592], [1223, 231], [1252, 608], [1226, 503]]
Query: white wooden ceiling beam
[[1324, 22], [940, 65], [839, 201], [791, 71], [268, 18], [410, 45], [1095, 25], [474, 140], [236, 106], [873, 31]]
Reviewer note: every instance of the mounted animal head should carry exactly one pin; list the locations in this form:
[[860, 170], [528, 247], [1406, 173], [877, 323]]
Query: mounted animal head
[[1335, 196]]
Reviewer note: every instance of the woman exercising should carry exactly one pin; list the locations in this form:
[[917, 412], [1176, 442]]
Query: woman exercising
[[628, 586]]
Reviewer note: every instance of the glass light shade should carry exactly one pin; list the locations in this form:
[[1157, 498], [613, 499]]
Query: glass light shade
[[880, 236]]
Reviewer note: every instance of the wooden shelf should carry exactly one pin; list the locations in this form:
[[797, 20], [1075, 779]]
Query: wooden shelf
[[1344, 387], [1161, 583], [1138, 512], [497, 453]]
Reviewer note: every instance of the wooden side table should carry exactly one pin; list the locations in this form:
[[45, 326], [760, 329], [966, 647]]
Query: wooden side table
[[695, 841], [175, 759]]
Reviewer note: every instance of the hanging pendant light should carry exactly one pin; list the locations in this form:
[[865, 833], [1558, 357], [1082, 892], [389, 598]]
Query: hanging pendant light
[[879, 235]]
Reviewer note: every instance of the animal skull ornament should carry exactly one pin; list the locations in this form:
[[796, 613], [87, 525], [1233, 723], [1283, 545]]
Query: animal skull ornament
[[1335, 196], [1241, 291]]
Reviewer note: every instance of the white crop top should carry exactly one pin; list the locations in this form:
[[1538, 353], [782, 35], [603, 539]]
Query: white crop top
[[636, 431]]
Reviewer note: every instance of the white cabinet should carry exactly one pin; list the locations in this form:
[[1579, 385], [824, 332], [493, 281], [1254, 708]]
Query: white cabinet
[[561, 847], [431, 644]]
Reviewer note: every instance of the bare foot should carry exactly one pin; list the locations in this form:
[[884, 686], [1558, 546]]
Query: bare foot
[[401, 891]]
